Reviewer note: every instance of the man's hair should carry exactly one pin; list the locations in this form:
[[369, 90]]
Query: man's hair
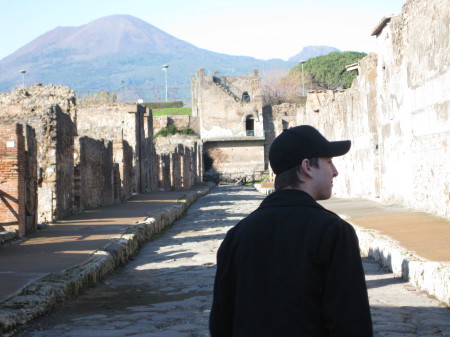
[[289, 177]]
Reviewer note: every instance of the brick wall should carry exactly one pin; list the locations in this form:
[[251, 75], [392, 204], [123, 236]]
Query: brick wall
[[12, 178], [50, 112]]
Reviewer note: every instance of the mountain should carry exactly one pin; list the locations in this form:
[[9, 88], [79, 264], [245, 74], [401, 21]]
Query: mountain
[[310, 52], [118, 51]]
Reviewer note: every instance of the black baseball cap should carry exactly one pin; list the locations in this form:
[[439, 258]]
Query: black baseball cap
[[300, 142]]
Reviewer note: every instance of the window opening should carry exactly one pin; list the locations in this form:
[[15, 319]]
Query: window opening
[[250, 126]]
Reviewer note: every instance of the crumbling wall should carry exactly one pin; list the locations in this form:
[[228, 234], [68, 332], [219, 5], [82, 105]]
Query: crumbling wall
[[126, 170], [180, 166], [130, 128], [146, 154], [187, 167], [180, 122], [12, 178], [31, 181], [351, 114], [96, 172], [396, 113], [165, 177], [414, 104], [219, 104], [65, 133], [176, 158], [284, 116], [277, 118], [49, 111], [236, 159], [107, 156], [230, 111]]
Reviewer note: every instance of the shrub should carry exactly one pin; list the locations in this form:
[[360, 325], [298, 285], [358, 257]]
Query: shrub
[[172, 130], [187, 131]]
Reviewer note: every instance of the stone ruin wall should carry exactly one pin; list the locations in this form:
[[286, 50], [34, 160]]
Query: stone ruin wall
[[218, 102], [45, 112], [180, 122], [237, 158], [75, 157], [396, 113], [414, 104], [350, 115], [129, 128], [220, 114], [12, 177], [18, 178], [180, 164], [277, 118], [95, 171]]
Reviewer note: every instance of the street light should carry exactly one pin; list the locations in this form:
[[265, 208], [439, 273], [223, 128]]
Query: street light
[[23, 78], [303, 77], [164, 68]]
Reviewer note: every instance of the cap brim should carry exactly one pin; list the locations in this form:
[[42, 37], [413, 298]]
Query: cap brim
[[339, 148]]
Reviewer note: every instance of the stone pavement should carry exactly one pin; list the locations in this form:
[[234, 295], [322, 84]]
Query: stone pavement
[[58, 262], [166, 289]]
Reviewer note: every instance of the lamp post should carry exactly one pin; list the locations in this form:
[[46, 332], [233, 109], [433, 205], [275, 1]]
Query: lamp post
[[23, 78], [164, 68]]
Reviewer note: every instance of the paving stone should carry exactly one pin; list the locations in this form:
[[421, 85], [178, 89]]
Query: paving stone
[[166, 290]]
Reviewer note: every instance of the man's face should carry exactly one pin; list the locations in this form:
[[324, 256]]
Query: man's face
[[323, 178]]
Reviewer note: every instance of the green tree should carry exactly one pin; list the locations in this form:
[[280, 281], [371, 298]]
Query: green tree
[[328, 71]]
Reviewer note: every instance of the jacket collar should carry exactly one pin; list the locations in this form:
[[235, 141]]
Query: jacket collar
[[290, 197]]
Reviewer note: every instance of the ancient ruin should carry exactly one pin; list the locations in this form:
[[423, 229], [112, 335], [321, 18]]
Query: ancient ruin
[[58, 157], [396, 113], [230, 115]]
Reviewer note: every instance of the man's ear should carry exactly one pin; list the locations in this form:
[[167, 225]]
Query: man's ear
[[305, 168]]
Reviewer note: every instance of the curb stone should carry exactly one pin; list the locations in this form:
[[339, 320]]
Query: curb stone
[[431, 277], [42, 295]]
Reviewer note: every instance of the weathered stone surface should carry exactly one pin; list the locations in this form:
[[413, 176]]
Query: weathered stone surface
[[166, 290], [180, 122], [432, 277], [231, 122], [396, 113], [47, 114], [44, 294], [180, 162]]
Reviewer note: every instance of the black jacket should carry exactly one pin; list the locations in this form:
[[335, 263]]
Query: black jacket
[[291, 268]]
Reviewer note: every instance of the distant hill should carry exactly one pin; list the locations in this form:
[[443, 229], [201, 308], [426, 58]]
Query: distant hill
[[117, 51], [310, 52]]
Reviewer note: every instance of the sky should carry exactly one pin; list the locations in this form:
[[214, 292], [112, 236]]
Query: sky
[[262, 29]]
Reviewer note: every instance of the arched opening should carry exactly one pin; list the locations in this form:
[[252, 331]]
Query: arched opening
[[250, 125], [245, 97]]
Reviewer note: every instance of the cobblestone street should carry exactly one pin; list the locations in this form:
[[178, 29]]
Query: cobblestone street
[[166, 290]]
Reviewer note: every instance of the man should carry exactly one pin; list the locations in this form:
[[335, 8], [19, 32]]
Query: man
[[292, 268]]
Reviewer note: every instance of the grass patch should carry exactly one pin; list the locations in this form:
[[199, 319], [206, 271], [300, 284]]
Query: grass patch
[[172, 112]]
